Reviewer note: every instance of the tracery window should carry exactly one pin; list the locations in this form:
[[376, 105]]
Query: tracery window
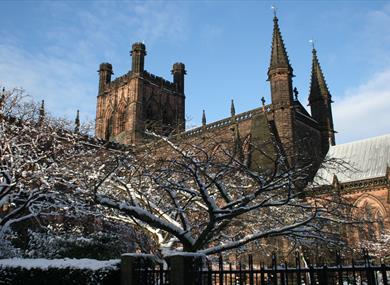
[[122, 121], [109, 126]]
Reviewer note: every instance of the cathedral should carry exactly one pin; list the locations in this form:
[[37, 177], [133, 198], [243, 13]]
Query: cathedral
[[140, 100]]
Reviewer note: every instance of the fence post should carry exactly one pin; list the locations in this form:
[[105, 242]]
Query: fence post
[[339, 264], [220, 267], [209, 275], [130, 262], [369, 270], [311, 275], [262, 277], [186, 268], [250, 262], [274, 268], [353, 272], [298, 267], [384, 273], [323, 280]]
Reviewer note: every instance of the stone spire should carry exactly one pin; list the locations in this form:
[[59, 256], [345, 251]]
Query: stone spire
[[318, 86], [232, 109], [280, 75], [279, 57], [320, 102], [77, 122], [41, 113]]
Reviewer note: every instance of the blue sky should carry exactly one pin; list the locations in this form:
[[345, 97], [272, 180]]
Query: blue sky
[[53, 50]]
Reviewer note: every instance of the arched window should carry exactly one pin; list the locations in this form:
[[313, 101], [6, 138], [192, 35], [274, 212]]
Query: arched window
[[122, 121], [109, 126], [371, 210]]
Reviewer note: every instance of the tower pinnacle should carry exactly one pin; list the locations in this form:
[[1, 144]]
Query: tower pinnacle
[[320, 104], [318, 86], [279, 57], [42, 113], [232, 109], [77, 122]]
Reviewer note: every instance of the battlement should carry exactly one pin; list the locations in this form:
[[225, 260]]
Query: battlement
[[121, 80], [158, 80], [225, 122]]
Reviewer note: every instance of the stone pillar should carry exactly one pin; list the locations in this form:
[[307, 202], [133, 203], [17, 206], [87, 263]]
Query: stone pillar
[[129, 262], [185, 268]]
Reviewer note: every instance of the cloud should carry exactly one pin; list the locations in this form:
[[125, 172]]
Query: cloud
[[53, 79], [60, 67], [363, 111]]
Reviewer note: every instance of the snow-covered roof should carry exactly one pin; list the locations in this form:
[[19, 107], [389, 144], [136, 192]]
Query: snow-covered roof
[[367, 159]]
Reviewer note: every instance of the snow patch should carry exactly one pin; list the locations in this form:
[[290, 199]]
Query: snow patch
[[187, 254], [44, 264]]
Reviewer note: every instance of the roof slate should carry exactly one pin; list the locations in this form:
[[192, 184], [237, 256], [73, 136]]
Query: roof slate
[[367, 159]]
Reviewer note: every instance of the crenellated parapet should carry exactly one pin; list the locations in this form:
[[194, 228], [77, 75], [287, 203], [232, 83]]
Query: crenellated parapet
[[158, 80], [139, 100], [220, 124]]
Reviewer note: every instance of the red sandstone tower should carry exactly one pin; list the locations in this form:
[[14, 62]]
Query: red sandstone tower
[[139, 100]]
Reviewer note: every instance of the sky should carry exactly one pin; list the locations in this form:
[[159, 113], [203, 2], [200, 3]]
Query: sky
[[53, 49]]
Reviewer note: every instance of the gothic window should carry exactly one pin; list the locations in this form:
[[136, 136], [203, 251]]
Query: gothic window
[[380, 226], [122, 121], [373, 212], [109, 126], [165, 119]]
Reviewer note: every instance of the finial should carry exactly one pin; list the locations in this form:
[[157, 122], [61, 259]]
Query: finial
[[232, 109], [312, 44], [77, 122], [273, 7], [204, 118], [296, 93], [41, 113]]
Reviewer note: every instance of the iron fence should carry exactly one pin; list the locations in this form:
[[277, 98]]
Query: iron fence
[[363, 272], [147, 275], [356, 273]]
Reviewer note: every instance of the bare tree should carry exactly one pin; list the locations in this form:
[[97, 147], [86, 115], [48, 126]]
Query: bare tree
[[46, 176], [194, 195], [200, 196]]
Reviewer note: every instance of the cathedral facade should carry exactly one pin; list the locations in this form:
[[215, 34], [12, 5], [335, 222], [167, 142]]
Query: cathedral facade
[[140, 100]]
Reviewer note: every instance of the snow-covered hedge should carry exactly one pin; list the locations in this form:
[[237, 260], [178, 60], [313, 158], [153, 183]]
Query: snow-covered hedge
[[59, 271]]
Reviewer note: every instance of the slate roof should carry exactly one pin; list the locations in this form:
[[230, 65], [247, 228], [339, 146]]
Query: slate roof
[[367, 158]]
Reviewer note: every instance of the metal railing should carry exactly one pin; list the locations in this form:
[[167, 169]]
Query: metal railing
[[223, 273]]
